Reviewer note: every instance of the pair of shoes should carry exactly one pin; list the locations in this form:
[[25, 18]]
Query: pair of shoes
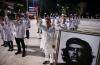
[[19, 52], [51, 63], [10, 49], [46, 62]]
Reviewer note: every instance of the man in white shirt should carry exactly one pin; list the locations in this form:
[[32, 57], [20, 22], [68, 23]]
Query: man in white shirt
[[20, 35]]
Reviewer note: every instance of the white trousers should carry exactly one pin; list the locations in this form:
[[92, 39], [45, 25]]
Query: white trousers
[[49, 57]]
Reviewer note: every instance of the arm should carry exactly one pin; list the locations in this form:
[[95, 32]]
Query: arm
[[28, 23], [23, 30]]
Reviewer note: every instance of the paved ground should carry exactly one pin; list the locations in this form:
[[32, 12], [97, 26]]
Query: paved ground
[[34, 55]]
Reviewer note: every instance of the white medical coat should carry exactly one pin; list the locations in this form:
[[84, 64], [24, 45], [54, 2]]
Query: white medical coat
[[48, 39]]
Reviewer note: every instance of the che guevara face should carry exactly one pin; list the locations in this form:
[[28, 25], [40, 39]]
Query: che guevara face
[[75, 52]]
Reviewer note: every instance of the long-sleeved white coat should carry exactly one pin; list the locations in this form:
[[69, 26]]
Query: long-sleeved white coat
[[20, 29], [3, 31], [9, 30], [48, 38]]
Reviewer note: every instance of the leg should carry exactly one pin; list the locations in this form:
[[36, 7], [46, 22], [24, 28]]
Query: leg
[[52, 58], [27, 34], [5, 43], [18, 46], [11, 43], [38, 30], [23, 46], [46, 59], [9, 46]]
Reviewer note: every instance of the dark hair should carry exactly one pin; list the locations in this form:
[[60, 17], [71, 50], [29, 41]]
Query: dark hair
[[18, 15], [87, 51], [48, 21]]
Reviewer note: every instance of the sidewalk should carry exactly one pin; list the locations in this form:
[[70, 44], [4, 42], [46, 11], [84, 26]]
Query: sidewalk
[[33, 54]]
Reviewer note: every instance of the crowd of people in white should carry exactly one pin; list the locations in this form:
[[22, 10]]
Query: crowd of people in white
[[45, 29]]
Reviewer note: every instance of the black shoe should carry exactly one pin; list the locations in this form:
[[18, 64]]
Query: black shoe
[[39, 38], [46, 62], [10, 49], [17, 53], [6, 45], [23, 55], [27, 37], [51, 63], [2, 44]]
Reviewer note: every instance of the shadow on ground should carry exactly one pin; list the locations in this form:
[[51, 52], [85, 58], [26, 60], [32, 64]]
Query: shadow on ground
[[36, 51]]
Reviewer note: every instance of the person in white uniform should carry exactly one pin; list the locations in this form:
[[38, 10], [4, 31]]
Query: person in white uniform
[[27, 23], [67, 23], [43, 34], [71, 23], [77, 22], [3, 32], [9, 32], [39, 22], [62, 22], [57, 23], [48, 41], [34, 28], [20, 35]]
